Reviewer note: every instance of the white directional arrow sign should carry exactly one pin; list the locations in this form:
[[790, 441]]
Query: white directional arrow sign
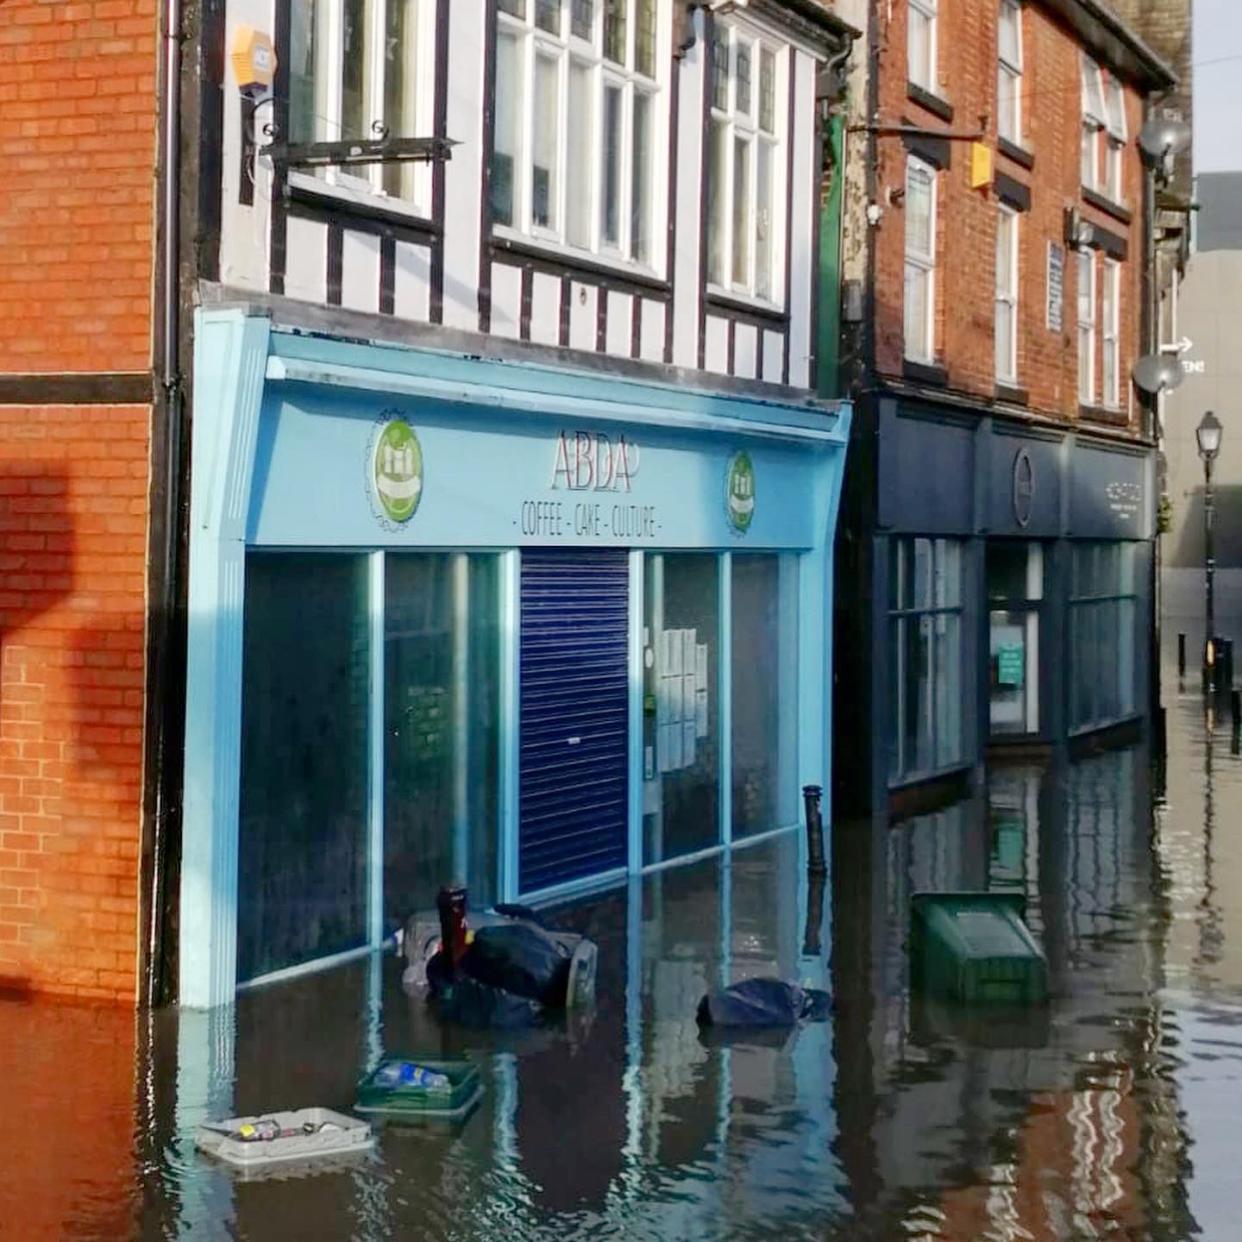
[[1178, 347]]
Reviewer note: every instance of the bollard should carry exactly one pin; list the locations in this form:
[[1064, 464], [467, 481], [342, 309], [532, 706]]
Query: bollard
[[1235, 707], [811, 940], [1181, 655], [815, 863]]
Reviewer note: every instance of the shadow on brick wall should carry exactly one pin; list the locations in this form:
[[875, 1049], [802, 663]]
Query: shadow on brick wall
[[72, 573]]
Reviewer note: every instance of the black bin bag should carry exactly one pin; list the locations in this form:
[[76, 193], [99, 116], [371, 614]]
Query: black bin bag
[[763, 1002], [522, 959]]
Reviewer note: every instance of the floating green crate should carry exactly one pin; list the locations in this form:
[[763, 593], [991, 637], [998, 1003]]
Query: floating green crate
[[976, 947], [405, 1101]]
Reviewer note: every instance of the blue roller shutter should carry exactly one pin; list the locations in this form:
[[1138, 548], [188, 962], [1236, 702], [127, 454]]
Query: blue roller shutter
[[574, 716]]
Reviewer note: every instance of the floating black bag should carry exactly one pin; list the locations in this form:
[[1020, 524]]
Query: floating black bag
[[763, 1002]]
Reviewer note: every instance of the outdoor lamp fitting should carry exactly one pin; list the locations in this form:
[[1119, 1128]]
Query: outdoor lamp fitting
[[1208, 434]]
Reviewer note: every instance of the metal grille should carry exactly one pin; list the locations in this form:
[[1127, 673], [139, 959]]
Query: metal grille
[[574, 716]]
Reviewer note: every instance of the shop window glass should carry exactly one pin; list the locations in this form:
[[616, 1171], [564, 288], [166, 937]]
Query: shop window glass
[[681, 759], [441, 714], [1103, 667], [764, 597], [925, 657], [302, 840]]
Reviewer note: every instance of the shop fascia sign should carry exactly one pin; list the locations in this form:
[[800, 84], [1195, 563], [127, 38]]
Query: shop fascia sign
[[591, 461]]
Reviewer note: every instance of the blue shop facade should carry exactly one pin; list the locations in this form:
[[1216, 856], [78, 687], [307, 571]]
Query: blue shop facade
[[457, 618]]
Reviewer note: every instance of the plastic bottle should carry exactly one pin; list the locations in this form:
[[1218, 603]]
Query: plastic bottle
[[410, 1074]]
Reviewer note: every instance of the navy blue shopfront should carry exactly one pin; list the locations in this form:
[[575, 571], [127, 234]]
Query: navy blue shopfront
[[574, 718], [551, 628]]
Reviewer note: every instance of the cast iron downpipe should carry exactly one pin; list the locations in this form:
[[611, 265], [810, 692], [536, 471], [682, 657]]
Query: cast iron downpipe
[[164, 695]]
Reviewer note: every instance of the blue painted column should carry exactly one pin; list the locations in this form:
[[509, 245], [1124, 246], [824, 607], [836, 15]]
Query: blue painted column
[[230, 357]]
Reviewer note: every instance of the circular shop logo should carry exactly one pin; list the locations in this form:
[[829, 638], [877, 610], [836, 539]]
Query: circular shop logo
[[740, 492], [398, 470], [1023, 487]]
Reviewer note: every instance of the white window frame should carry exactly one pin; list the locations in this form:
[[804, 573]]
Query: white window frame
[[1007, 295], [566, 47], [743, 125], [1110, 332], [1010, 71], [1115, 140], [1086, 327], [924, 75], [362, 183], [924, 262], [1094, 122]]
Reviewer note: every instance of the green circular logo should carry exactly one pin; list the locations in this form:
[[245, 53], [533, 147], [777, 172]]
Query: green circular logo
[[740, 492], [398, 470]]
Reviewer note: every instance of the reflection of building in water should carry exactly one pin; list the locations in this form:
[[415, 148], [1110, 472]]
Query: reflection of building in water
[[940, 1087]]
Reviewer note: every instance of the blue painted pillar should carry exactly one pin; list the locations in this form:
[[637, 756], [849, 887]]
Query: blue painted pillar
[[230, 359]]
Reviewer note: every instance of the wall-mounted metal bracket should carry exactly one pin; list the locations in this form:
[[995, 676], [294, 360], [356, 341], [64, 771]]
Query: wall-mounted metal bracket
[[355, 151]]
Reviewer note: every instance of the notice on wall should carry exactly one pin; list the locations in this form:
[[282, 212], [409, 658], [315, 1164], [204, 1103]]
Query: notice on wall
[[1056, 286], [1010, 664]]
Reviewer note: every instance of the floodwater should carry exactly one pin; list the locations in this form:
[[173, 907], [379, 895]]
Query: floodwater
[[1111, 1113]]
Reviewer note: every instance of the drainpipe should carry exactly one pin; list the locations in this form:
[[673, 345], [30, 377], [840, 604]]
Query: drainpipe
[[164, 692]]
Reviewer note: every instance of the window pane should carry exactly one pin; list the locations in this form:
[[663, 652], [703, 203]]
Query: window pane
[[516, 7], [615, 34], [441, 729], [918, 49], [741, 211], [582, 19], [742, 71], [302, 833], [581, 122], [681, 739], [544, 183], [304, 124], [919, 239], [548, 15], [1086, 289], [1009, 34], [1089, 163], [1112, 181], [1004, 253], [354, 70], [400, 96], [947, 692], [717, 203], [610, 189], [1004, 340], [764, 705], [764, 219], [508, 119], [917, 312], [645, 38], [640, 184], [1008, 85], [1116, 110], [767, 91], [720, 68]]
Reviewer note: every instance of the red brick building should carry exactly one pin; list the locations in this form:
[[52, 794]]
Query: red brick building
[[999, 504], [77, 271]]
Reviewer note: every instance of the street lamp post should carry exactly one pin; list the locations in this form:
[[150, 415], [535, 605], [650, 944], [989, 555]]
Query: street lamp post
[[1207, 435]]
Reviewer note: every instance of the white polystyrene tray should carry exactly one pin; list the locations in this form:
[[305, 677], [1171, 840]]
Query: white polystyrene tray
[[341, 1135]]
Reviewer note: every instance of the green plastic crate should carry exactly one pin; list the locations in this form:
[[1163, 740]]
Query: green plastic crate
[[405, 1102], [976, 947]]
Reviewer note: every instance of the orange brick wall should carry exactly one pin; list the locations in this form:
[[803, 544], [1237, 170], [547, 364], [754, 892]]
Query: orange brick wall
[[966, 220], [73, 505], [77, 149]]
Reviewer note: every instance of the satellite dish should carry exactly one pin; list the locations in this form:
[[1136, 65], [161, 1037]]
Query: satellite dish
[[1155, 373], [1162, 138]]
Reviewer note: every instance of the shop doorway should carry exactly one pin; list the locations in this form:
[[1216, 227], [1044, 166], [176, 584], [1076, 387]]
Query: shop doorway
[[574, 723], [1015, 585]]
